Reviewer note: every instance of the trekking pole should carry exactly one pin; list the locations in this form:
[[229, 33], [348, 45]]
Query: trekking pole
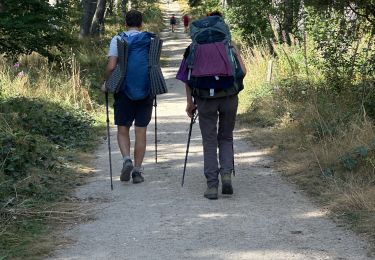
[[109, 138], [156, 133], [234, 172], [192, 121]]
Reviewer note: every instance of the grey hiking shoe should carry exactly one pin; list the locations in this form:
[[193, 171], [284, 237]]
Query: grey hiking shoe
[[226, 183], [211, 193], [127, 168], [137, 177]]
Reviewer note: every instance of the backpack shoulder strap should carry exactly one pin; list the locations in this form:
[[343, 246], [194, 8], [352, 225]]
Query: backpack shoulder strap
[[123, 36], [122, 48]]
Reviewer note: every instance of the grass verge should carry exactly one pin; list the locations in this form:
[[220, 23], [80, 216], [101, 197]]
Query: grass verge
[[323, 140], [49, 123], [52, 117]]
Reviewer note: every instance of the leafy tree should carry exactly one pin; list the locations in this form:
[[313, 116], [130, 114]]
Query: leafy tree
[[251, 19], [343, 33], [32, 25], [286, 14]]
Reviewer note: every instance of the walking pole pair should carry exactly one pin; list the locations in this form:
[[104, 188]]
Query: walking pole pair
[[108, 138], [192, 121]]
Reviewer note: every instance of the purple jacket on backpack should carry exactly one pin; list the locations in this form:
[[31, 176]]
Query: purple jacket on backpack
[[211, 59], [182, 73]]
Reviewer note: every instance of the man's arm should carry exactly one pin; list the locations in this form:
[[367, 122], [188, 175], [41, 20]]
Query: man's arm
[[111, 65], [112, 60]]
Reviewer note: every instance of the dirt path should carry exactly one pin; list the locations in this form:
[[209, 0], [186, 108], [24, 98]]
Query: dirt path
[[266, 218]]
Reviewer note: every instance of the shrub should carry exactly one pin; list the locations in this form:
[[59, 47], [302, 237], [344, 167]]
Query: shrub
[[63, 126]]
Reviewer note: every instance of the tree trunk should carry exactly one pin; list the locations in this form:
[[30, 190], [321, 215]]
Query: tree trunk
[[124, 4], [226, 3], [302, 29], [89, 8], [288, 20], [98, 24]]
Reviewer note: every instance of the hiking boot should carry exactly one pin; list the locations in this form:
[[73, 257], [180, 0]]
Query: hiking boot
[[137, 177], [127, 168], [226, 183], [211, 193]]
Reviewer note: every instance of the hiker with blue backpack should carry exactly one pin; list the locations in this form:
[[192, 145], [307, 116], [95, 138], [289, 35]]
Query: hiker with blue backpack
[[132, 102], [213, 73]]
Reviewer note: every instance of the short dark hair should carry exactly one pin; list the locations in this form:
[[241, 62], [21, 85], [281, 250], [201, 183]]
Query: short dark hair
[[133, 18], [215, 13]]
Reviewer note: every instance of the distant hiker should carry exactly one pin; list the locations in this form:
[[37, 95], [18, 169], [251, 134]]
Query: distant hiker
[[186, 20], [133, 102], [173, 22], [213, 72]]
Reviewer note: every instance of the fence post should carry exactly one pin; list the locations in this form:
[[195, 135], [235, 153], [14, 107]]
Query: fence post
[[269, 71]]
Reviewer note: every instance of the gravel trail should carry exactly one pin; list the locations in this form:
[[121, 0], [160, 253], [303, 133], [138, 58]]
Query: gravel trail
[[266, 218]]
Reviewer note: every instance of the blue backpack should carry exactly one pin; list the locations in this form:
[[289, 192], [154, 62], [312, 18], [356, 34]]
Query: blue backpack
[[136, 84]]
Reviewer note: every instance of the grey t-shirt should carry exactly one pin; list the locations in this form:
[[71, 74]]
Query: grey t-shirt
[[113, 45]]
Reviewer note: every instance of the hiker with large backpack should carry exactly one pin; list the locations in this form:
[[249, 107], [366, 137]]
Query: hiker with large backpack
[[133, 102], [213, 72]]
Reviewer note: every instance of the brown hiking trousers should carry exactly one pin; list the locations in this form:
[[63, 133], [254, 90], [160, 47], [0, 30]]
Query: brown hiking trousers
[[216, 121]]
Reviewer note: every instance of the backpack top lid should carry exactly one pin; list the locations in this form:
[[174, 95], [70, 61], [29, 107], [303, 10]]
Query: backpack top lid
[[210, 29], [208, 21], [138, 40]]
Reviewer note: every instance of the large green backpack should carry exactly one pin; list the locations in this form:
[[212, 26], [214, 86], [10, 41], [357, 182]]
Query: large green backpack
[[213, 29]]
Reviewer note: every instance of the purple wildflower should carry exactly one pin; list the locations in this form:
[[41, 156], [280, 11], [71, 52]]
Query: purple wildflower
[[21, 74]]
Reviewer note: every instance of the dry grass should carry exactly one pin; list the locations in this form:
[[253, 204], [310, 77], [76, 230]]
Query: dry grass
[[316, 146], [348, 195], [255, 83], [48, 223], [23, 219], [37, 79], [28, 223], [356, 187]]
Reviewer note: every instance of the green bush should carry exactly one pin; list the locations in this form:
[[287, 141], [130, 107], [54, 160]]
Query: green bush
[[153, 18], [21, 151], [63, 126], [35, 138]]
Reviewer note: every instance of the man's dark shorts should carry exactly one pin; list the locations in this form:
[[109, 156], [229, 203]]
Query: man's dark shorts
[[128, 111]]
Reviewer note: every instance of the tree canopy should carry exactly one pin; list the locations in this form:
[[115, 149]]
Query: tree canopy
[[32, 25]]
